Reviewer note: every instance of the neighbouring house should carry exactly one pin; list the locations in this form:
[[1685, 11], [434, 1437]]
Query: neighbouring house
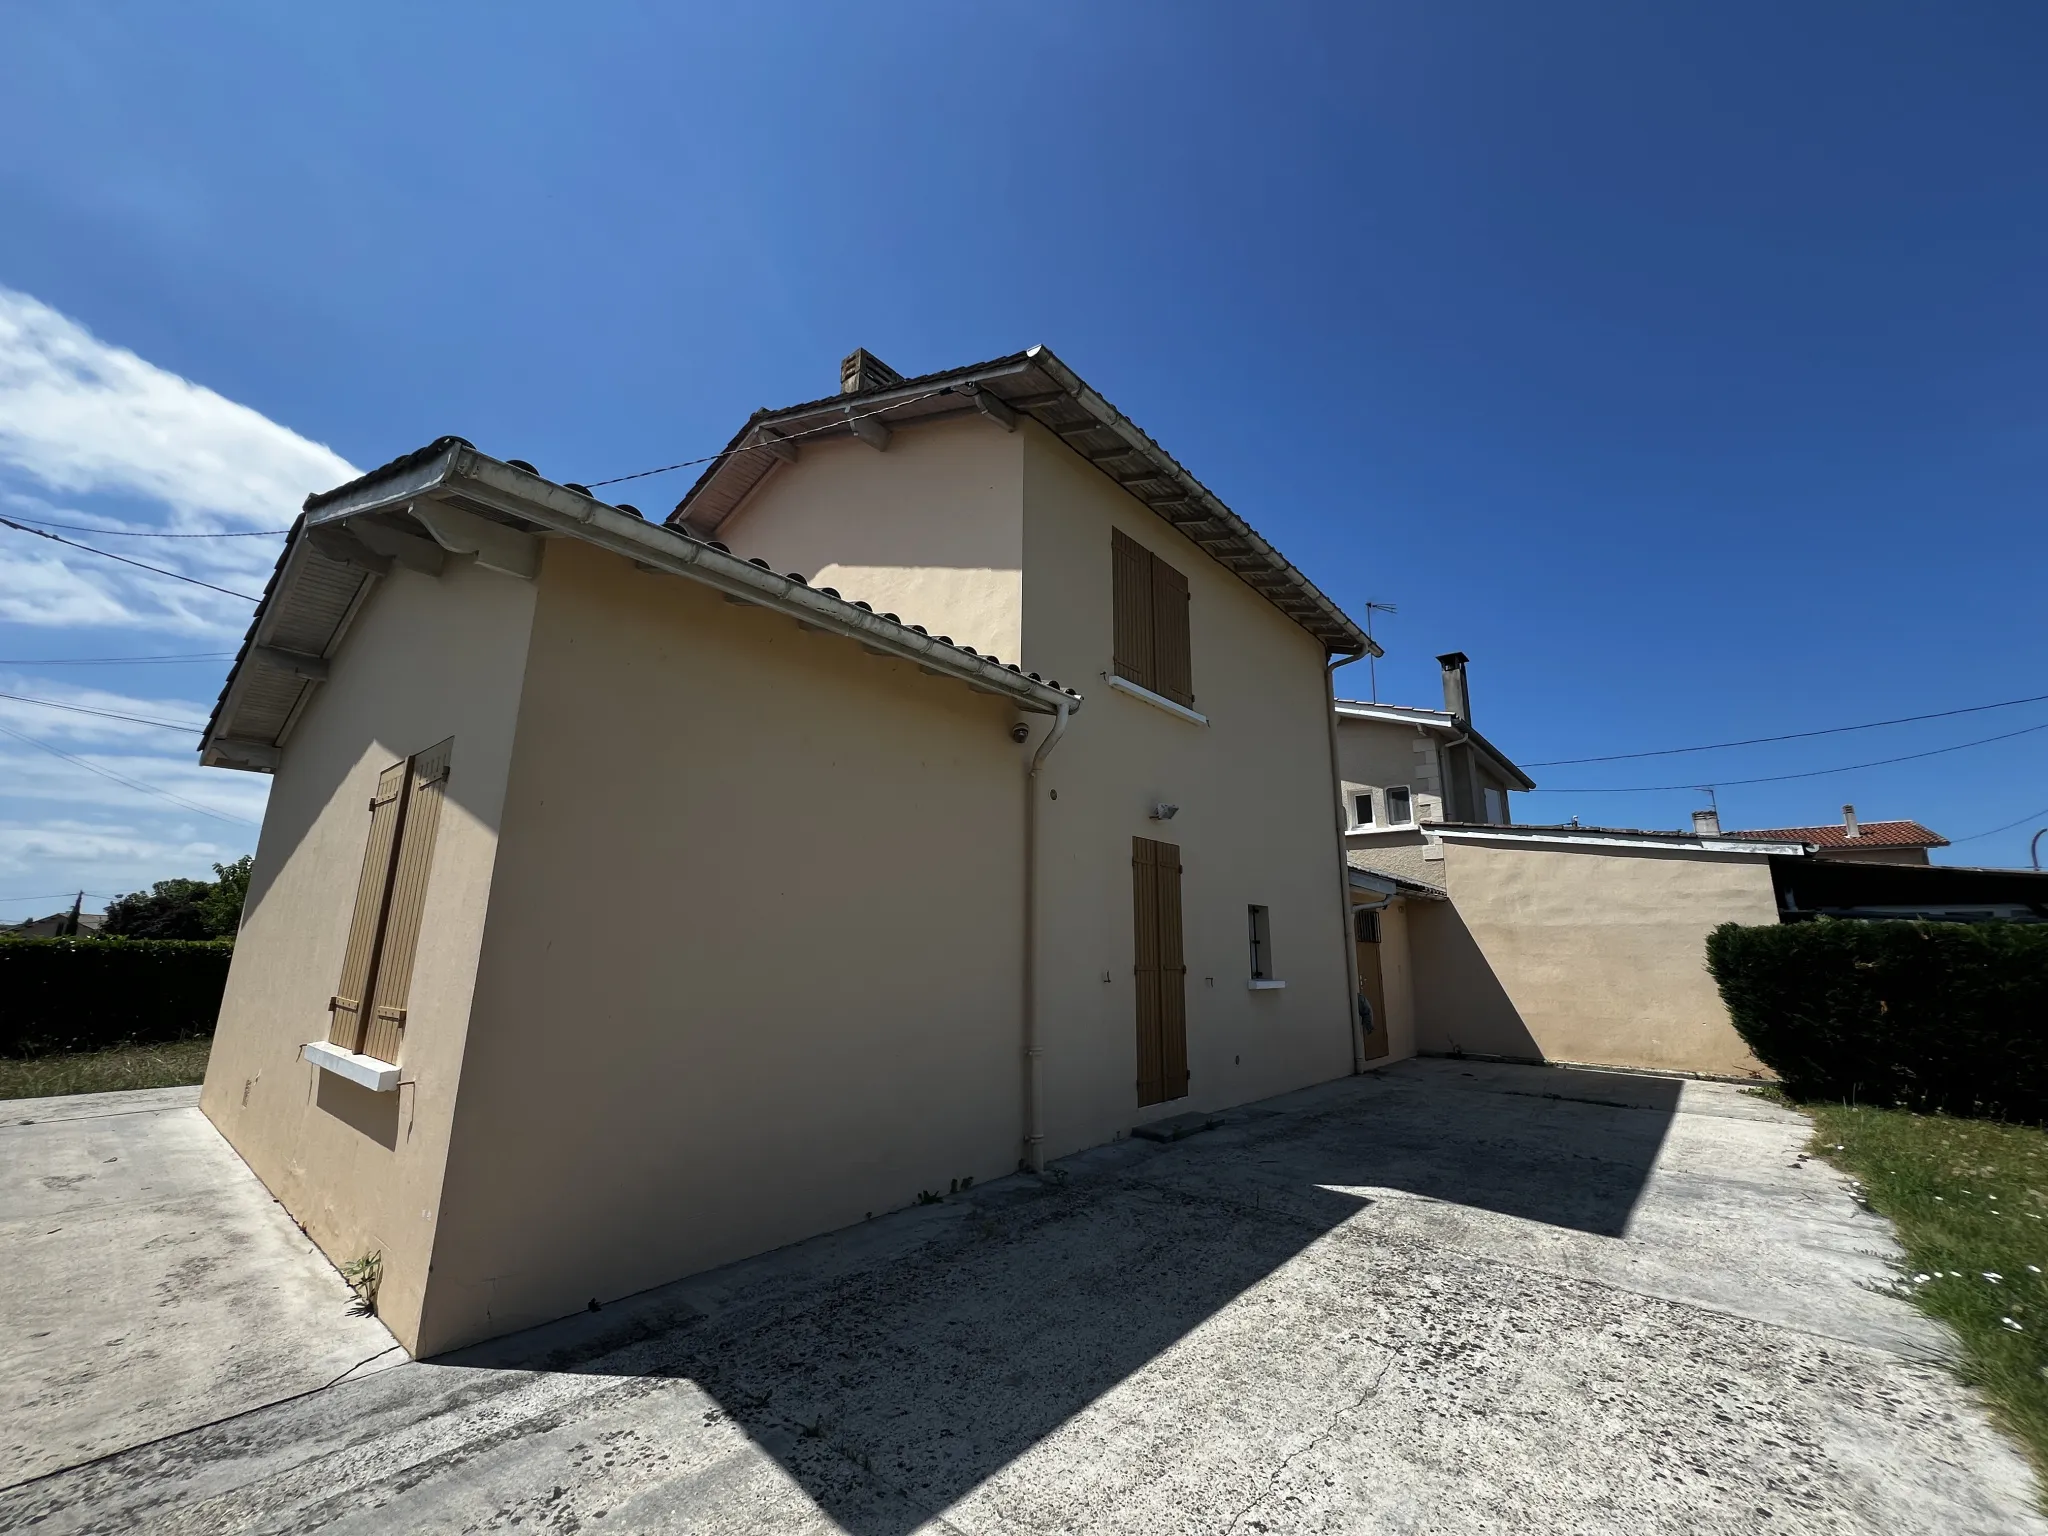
[[57, 925], [884, 905], [1402, 768], [1852, 841]]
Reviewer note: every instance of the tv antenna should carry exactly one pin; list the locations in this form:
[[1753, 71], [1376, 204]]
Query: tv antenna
[[1372, 662]]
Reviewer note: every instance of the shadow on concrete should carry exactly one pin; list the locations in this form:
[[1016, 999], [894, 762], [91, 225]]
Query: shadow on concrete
[[1465, 1008], [892, 1368]]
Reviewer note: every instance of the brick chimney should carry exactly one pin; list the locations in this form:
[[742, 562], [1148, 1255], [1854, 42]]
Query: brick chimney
[[1457, 696], [1849, 827], [1706, 823], [860, 371]]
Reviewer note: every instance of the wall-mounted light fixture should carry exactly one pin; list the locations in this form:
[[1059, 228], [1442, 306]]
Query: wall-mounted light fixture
[[1164, 812]]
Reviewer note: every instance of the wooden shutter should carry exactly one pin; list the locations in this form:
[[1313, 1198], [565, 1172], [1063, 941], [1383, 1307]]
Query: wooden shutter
[[1161, 972], [1145, 917], [1171, 667], [386, 1024], [1173, 975], [1131, 570], [350, 1004]]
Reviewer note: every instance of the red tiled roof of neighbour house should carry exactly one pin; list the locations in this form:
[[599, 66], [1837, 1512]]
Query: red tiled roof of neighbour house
[[1875, 834]]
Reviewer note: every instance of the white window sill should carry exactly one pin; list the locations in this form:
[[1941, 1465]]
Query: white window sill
[[377, 1076], [1156, 700], [1398, 826], [1264, 986]]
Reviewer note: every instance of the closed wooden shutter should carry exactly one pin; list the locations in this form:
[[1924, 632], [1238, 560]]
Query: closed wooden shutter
[[1173, 976], [351, 1001], [1161, 971], [1171, 667], [1131, 569], [1145, 917], [1151, 621], [386, 1024]]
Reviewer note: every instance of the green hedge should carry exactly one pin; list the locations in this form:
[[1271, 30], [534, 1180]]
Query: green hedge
[[1928, 1016], [85, 994]]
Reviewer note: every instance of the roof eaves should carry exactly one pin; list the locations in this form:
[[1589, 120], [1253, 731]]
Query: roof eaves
[[1240, 548], [451, 470]]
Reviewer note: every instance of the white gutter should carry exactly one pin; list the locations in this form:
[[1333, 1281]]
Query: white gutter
[[1034, 1051]]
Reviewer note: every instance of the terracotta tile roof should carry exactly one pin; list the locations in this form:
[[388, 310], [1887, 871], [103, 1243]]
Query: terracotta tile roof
[[1875, 834]]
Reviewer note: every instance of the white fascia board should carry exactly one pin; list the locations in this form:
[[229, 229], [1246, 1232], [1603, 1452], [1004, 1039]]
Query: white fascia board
[[1156, 700], [377, 1076], [1597, 840]]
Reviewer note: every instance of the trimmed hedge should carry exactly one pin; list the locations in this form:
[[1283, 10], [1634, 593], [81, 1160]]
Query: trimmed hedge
[[1927, 1016], [86, 994]]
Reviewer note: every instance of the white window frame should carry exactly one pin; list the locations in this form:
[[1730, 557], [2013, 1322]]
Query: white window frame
[[1360, 823], [1407, 793], [1489, 797]]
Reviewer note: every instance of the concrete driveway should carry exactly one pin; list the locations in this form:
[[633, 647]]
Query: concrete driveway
[[1448, 1298]]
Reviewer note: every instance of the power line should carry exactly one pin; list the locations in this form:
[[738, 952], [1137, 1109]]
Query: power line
[[1812, 773], [110, 555], [1753, 741], [107, 661], [154, 533], [787, 437], [105, 773], [105, 714], [61, 896], [2030, 816]]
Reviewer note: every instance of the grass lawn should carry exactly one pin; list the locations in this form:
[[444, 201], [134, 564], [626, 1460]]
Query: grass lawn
[[1970, 1201], [129, 1066]]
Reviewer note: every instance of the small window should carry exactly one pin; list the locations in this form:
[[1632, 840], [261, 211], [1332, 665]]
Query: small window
[[1496, 807], [1361, 809], [1262, 944], [1400, 806], [1367, 927]]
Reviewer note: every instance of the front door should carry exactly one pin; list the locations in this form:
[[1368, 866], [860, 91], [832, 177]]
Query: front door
[[1161, 972]]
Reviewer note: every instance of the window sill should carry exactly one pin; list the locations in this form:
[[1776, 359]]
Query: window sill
[[377, 1076], [1397, 826], [1264, 986], [1156, 700]]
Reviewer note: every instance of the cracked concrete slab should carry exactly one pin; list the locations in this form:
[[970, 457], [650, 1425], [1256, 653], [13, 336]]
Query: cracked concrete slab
[[1445, 1298]]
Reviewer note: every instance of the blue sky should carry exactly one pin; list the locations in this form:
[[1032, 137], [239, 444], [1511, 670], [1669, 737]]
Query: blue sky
[[1681, 363]]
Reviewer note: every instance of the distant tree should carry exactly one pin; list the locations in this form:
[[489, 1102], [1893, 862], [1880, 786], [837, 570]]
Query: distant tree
[[223, 905], [170, 909], [182, 909]]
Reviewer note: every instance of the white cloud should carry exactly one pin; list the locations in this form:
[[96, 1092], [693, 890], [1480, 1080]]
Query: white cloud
[[80, 416]]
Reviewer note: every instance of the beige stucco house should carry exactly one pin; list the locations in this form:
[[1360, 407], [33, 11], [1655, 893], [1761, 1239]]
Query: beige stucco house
[[885, 903]]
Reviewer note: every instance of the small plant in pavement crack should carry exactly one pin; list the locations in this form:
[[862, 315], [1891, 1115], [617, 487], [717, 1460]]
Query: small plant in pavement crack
[[364, 1275]]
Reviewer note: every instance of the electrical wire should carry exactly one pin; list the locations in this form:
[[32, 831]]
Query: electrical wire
[[107, 661], [60, 896], [2030, 816], [787, 437], [110, 555], [105, 773], [1753, 741], [105, 714], [152, 533], [1779, 778]]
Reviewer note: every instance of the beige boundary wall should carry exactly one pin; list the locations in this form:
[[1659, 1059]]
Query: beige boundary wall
[[1584, 953]]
